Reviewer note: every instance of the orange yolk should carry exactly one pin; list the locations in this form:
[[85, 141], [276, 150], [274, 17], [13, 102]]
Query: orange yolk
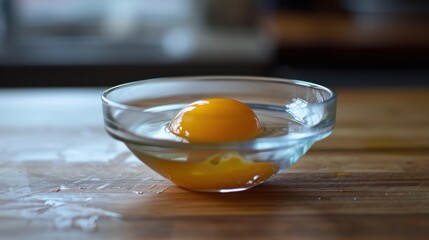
[[216, 120], [220, 171]]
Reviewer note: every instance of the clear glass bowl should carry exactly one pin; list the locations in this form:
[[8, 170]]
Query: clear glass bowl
[[295, 114]]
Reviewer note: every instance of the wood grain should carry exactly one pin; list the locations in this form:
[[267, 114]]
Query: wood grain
[[62, 177]]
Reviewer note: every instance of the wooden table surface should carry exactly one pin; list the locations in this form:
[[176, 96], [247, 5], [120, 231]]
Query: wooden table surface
[[63, 177]]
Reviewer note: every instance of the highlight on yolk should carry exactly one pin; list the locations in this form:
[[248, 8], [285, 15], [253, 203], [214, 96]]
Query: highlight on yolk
[[216, 120]]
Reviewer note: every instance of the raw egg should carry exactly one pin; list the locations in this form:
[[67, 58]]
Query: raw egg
[[220, 171], [213, 120], [216, 120]]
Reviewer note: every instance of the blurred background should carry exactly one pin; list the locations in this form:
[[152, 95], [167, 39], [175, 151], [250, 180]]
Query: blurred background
[[107, 42]]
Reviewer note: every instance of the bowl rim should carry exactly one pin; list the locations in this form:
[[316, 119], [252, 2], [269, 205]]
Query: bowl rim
[[302, 83], [282, 140]]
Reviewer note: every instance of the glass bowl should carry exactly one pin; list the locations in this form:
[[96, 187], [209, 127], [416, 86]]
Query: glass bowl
[[295, 114]]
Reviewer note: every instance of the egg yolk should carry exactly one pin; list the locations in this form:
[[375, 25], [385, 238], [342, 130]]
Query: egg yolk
[[213, 120], [216, 120], [221, 171]]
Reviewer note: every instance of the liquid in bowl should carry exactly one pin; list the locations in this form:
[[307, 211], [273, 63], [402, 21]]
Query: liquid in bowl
[[211, 170]]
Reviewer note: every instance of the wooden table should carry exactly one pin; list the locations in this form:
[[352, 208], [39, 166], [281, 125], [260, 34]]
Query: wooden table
[[63, 177]]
